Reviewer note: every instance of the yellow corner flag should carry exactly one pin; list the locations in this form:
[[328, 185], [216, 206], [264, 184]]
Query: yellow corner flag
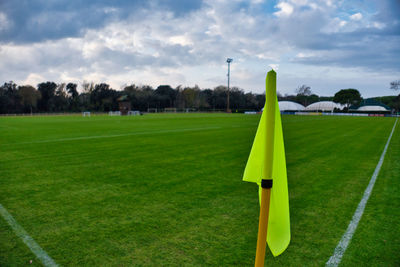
[[266, 166]]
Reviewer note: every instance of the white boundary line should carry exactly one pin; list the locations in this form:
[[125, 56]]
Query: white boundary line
[[340, 249], [115, 135], [32, 245]]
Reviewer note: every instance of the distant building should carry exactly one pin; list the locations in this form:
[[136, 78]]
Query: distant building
[[124, 104]]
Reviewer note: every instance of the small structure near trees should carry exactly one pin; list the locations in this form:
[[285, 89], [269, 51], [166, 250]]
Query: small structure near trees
[[124, 104]]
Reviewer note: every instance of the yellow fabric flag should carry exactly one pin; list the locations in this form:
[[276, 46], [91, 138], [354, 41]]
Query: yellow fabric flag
[[278, 235]]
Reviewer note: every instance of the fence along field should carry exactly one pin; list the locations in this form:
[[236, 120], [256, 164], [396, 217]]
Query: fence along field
[[166, 189]]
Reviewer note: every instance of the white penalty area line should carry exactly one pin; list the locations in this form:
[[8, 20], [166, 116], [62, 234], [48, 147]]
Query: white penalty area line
[[335, 259], [32, 245], [116, 135]]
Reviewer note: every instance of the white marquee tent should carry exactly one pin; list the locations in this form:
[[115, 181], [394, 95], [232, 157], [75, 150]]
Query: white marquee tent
[[324, 106], [289, 105], [371, 108]]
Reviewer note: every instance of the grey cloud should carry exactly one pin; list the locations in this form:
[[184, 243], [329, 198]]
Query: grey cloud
[[39, 20], [367, 48], [369, 59]]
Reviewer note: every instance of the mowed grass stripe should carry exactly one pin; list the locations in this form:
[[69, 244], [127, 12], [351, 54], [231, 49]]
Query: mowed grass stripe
[[178, 198], [326, 178], [336, 258], [377, 239]]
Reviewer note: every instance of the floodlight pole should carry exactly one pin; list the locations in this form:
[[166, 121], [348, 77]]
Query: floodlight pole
[[228, 60]]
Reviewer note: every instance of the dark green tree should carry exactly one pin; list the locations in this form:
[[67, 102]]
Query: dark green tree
[[71, 90], [29, 97], [348, 97], [190, 97], [260, 101], [47, 91], [142, 97], [251, 101], [237, 100], [10, 100], [166, 96], [61, 98], [220, 97], [148, 96], [133, 93], [207, 95], [103, 98], [73, 96]]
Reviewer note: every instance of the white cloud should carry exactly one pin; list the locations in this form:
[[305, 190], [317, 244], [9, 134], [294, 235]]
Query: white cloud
[[329, 3], [356, 16], [307, 55], [334, 26], [285, 9], [301, 55], [180, 40], [33, 78], [272, 55]]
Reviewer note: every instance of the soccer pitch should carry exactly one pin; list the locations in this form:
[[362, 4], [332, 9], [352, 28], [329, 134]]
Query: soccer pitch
[[166, 189]]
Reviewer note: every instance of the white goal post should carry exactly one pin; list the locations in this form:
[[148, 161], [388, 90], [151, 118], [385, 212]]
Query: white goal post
[[152, 110], [187, 110], [114, 113], [170, 110], [86, 114], [133, 112]]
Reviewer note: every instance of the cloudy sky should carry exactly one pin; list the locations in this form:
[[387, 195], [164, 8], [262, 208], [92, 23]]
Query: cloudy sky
[[328, 45]]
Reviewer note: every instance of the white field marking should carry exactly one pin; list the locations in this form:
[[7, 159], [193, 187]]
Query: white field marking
[[113, 135], [32, 245], [335, 259]]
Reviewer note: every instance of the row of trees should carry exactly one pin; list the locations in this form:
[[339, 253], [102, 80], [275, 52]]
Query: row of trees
[[52, 97]]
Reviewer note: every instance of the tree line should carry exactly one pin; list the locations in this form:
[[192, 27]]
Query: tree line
[[64, 97], [52, 97]]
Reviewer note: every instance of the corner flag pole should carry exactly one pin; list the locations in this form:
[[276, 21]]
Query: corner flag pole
[[266, 182]]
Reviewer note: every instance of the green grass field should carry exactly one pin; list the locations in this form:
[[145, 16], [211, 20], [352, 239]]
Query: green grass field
[[167, 190]]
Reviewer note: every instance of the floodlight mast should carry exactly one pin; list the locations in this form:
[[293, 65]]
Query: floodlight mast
[[228, 60]]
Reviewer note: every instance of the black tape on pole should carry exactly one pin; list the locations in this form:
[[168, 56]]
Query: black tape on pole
[[266, 183]]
